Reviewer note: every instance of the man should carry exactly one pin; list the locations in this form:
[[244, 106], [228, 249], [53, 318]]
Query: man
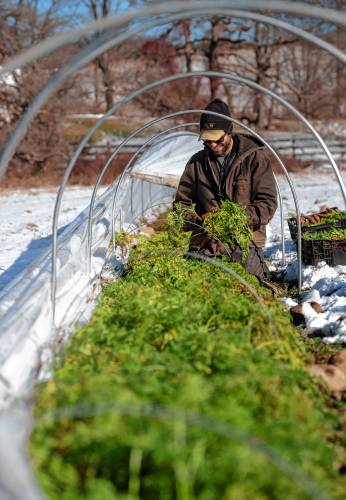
[[230, 167]]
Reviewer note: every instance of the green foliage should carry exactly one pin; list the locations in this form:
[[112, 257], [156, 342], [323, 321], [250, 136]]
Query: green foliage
[[176, 220], [229, 225], [122, 239], [176, 352], [327, 234], [329, 218]]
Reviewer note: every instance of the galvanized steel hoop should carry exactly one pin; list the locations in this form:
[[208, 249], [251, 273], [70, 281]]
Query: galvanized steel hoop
[[245, 127], [176, 9]]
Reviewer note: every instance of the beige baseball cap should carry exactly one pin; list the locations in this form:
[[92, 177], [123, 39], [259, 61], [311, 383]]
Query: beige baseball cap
[[211, 135]]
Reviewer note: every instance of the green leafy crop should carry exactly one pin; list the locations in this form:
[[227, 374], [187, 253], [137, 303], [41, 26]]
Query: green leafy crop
[[180, 388], [327, 234], [176, 220], [229, 225], [122, 239], [329, 218]]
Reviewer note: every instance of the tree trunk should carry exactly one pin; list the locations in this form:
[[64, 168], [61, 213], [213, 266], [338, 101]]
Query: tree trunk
[[107, 80], [214, 83]]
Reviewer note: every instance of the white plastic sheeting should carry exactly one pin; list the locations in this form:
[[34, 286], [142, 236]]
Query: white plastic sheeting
[[27, 336], [169, 156], [28, 339], [25, 305]]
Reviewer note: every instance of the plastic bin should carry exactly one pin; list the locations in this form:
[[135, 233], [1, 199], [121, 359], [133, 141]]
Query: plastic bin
[[333, 252], [293, 227]]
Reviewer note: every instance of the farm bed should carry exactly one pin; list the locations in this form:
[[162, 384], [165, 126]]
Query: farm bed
[[183, 385]]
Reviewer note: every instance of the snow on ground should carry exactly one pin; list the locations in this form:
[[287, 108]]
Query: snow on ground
[[27, 224], [32, 324], [323, 284]]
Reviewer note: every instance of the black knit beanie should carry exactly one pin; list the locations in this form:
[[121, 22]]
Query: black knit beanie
[[212, 122]]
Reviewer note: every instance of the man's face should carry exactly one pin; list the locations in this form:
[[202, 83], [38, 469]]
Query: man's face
[[220, 147]]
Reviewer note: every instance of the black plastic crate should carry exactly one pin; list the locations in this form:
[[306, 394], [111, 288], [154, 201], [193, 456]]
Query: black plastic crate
[[333, 252], [293, 227]]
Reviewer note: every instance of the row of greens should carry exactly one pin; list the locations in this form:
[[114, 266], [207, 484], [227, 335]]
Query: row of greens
[[180, 388], [326, 234]]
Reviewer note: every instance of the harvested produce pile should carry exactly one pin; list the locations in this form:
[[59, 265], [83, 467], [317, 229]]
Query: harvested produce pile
[[324, 221], [327, 225], [327, 234], [229, 225], [173, 386], [327, 216]]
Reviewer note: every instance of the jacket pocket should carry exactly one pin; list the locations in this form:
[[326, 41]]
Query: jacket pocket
[[242, 191]]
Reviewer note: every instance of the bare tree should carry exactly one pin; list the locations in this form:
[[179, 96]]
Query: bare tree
[[22, 23], [100, 9], [340, 70], [105, 64], [208, 42], [269, 57]]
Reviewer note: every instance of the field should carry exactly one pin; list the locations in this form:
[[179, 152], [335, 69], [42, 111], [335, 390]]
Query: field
[[186, 384]]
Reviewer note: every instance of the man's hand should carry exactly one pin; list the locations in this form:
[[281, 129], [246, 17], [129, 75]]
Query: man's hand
[[218, 246], [205, 241]]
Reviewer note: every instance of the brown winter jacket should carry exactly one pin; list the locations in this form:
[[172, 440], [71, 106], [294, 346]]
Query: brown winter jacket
[[249, 181]]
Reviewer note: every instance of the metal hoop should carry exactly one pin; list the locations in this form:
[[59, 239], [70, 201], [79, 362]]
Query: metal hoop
[[58, 41], [240, 124], [101, 45]]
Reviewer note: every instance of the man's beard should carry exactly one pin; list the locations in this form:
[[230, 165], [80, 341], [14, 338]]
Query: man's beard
[[221, 150]]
